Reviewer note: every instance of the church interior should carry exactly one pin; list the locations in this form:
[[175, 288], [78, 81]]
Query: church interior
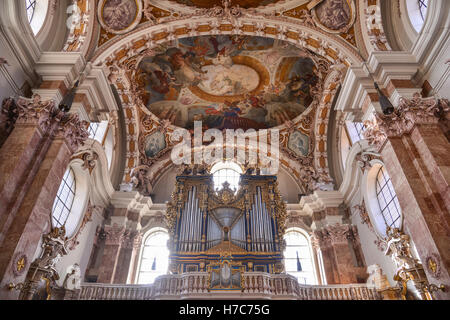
[[224, 149]]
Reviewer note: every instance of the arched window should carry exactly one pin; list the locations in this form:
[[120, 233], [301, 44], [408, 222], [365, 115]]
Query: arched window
[[387, 200], [154, 256], [227, 171], [36, 12], [64, 199], [297, 257], [101, 132], [355, 131], [417, 12]]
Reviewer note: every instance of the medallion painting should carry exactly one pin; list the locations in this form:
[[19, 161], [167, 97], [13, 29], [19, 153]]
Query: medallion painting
[[211, 3], [299, 143], [119, 16], [228, 82], [335, 15]]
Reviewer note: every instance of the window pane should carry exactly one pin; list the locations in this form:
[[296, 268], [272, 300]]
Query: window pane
[[387, 199], [155, 257], [298, 250], [64, 199]]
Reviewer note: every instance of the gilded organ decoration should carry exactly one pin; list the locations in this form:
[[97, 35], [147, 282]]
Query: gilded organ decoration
[[227, 231]]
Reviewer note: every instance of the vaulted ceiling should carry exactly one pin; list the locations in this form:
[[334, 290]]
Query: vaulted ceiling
[[232, 64]]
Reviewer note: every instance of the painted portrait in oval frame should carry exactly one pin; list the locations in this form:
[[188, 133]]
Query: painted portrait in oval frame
[[119, 16], [335, 16]]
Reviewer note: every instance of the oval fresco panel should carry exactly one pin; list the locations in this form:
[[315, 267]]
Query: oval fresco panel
[[335, 16], [228, 82], [120, 16], [299, 143], [154, 144]]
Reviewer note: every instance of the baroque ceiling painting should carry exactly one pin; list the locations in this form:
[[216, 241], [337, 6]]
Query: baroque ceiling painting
[[228, 82], [212, 3], [210, 66]]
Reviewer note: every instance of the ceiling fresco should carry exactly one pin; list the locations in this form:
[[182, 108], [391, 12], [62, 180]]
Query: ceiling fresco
[[228, 82], [212, 3]]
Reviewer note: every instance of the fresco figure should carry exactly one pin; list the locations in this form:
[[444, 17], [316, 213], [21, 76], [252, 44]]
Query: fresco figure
[[209, 77]]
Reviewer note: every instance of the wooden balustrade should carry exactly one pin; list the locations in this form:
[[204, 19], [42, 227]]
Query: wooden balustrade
[[256, 285]]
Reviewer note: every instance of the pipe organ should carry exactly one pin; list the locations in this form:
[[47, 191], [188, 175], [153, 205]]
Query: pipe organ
[[239, 230]]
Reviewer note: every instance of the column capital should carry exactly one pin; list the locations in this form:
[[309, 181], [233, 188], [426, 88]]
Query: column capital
[[408, 114], [52, 120], [333, 234]]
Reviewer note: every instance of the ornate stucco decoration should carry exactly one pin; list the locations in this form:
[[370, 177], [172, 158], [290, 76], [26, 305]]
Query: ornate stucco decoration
[[408, 268], [8, 117], [408, 114], [52, 120], [365, 219], [141, 181], [374, 24], [44, 268], [80, 20], [119, 17], [91, 209], [364, 158]]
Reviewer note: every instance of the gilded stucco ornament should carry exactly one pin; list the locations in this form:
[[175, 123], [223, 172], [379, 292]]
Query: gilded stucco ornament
[[54, 246], [433, 265], [20, 264], [409, 269]]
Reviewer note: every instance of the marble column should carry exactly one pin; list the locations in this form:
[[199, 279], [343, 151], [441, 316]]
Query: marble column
[[336, 243], [415, 151], [33, 160], [114, 237], [122, 240]]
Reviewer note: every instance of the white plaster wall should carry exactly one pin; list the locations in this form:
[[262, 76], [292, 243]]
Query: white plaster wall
[[82, 252], [11, 76], [371, 253]]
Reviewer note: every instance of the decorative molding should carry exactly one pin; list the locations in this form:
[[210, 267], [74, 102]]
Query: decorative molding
[[52, 120], [433, 265]]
